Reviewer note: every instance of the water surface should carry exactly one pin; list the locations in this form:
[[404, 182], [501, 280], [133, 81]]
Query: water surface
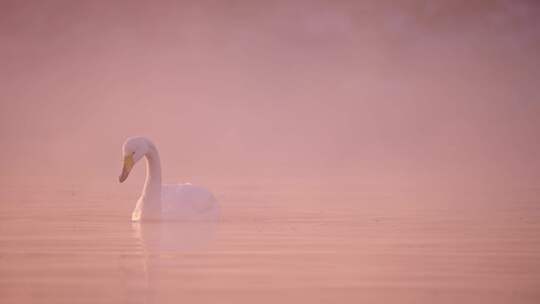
[[70, 244]]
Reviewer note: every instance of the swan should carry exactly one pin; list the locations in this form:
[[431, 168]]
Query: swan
[[164, 202]]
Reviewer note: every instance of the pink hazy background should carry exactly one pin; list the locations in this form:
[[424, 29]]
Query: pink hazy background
[[421, 94], [360, 151]]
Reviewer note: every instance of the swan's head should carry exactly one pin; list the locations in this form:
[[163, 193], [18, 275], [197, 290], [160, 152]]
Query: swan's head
[[133, 150]]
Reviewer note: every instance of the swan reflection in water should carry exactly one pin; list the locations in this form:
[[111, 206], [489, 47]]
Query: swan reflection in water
[[164, 249], [174, 237]]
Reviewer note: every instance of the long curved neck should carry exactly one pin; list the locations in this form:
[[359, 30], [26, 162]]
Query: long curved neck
[[151, 195]]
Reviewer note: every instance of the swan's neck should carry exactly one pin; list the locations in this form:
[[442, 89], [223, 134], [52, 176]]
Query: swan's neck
[[151, 196]]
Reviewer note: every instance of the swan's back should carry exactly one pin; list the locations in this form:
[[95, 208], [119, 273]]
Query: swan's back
[[188, 202]]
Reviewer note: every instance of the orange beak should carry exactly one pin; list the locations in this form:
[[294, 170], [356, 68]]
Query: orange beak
[[128, 165]]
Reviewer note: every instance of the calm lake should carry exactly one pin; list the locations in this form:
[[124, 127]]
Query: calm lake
[[73, 244]]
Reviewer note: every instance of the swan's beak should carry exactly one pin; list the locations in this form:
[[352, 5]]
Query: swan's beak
[[128, 165]]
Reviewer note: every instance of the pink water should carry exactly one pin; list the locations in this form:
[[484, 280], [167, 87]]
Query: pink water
[[74, 244]]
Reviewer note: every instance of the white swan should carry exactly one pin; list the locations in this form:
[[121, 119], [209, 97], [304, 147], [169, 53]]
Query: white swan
[[164, 202]]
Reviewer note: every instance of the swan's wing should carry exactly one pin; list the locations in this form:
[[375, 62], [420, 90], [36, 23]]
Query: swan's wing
[[187, 201]]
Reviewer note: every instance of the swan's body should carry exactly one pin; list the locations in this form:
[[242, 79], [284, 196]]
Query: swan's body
[[165, 202]]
